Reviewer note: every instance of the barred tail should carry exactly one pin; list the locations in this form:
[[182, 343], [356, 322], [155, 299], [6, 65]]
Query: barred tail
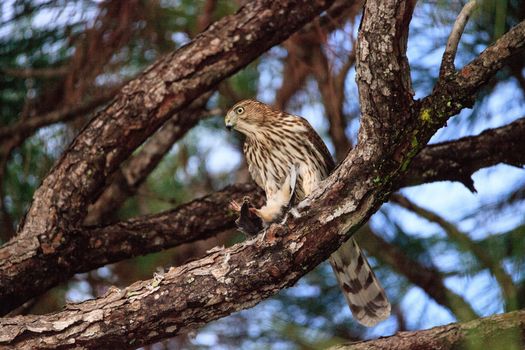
[[362, 290]]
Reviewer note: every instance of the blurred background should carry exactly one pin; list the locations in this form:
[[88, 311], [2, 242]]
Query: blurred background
[[443, 252]]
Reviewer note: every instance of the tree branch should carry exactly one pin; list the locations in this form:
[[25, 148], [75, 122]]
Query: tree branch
[[447, 63], [504, 331], [144, 235], [143, 105], [127, 181], [458, 160], [28, 126], [238, 277]]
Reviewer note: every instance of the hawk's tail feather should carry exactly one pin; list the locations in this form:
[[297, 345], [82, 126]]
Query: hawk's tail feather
[[362, 290]]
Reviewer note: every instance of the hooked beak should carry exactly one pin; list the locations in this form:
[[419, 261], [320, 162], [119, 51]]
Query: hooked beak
[[229, 121]]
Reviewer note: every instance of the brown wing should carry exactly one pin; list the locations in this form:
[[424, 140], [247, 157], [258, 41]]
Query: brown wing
[[317, 141]]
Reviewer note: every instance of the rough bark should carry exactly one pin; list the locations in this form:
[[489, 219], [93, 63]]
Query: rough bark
[[60, 204], [504, 331], [206, 217], [457, 160], [127, 180], [196, 220], [231, 279]]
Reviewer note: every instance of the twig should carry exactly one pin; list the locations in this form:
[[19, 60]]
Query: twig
[[447, 63]]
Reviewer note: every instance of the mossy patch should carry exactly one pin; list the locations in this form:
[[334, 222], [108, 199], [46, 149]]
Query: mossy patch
[[426, 115]]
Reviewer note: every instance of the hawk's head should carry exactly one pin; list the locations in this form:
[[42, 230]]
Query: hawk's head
[[248, 116]]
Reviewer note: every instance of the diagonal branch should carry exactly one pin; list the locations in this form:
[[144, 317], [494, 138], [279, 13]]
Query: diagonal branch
[[142, 106], [98, 246], [238, 277], [127, 181]]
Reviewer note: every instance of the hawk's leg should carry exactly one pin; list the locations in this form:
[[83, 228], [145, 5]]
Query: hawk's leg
[[279, 201], [252, 220]]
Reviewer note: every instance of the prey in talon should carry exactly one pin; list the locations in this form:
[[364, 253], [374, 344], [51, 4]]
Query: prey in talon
[[252, 220], [288, 160], [248, 222]]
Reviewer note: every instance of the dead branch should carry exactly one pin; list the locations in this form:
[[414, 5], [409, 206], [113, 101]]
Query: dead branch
[[447, 63]]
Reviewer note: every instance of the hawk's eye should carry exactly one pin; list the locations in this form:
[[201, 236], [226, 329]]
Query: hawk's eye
[[239, 110]]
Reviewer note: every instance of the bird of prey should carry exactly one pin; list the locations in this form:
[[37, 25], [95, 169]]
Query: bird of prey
[[288, 159]]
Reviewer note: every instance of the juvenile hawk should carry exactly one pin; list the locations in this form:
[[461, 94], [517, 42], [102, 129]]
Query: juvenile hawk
[[286, 156]]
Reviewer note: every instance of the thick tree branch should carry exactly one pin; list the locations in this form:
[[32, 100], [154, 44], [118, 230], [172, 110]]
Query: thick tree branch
[[127, 181], [143, 105], [457, 160], [445, 161], [383, 72], [238, 277], [504, 331], [297, 64], [197, 220]]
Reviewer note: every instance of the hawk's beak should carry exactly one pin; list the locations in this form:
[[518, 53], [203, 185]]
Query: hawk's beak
[[229, 122]]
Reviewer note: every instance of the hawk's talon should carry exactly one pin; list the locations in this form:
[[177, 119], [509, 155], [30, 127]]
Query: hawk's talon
[[234, 206], [295, 213]]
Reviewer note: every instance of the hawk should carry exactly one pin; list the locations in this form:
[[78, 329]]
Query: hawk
[[288, 159]]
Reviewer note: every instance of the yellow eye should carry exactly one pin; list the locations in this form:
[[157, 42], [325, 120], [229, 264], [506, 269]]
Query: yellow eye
[[239, 110]]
